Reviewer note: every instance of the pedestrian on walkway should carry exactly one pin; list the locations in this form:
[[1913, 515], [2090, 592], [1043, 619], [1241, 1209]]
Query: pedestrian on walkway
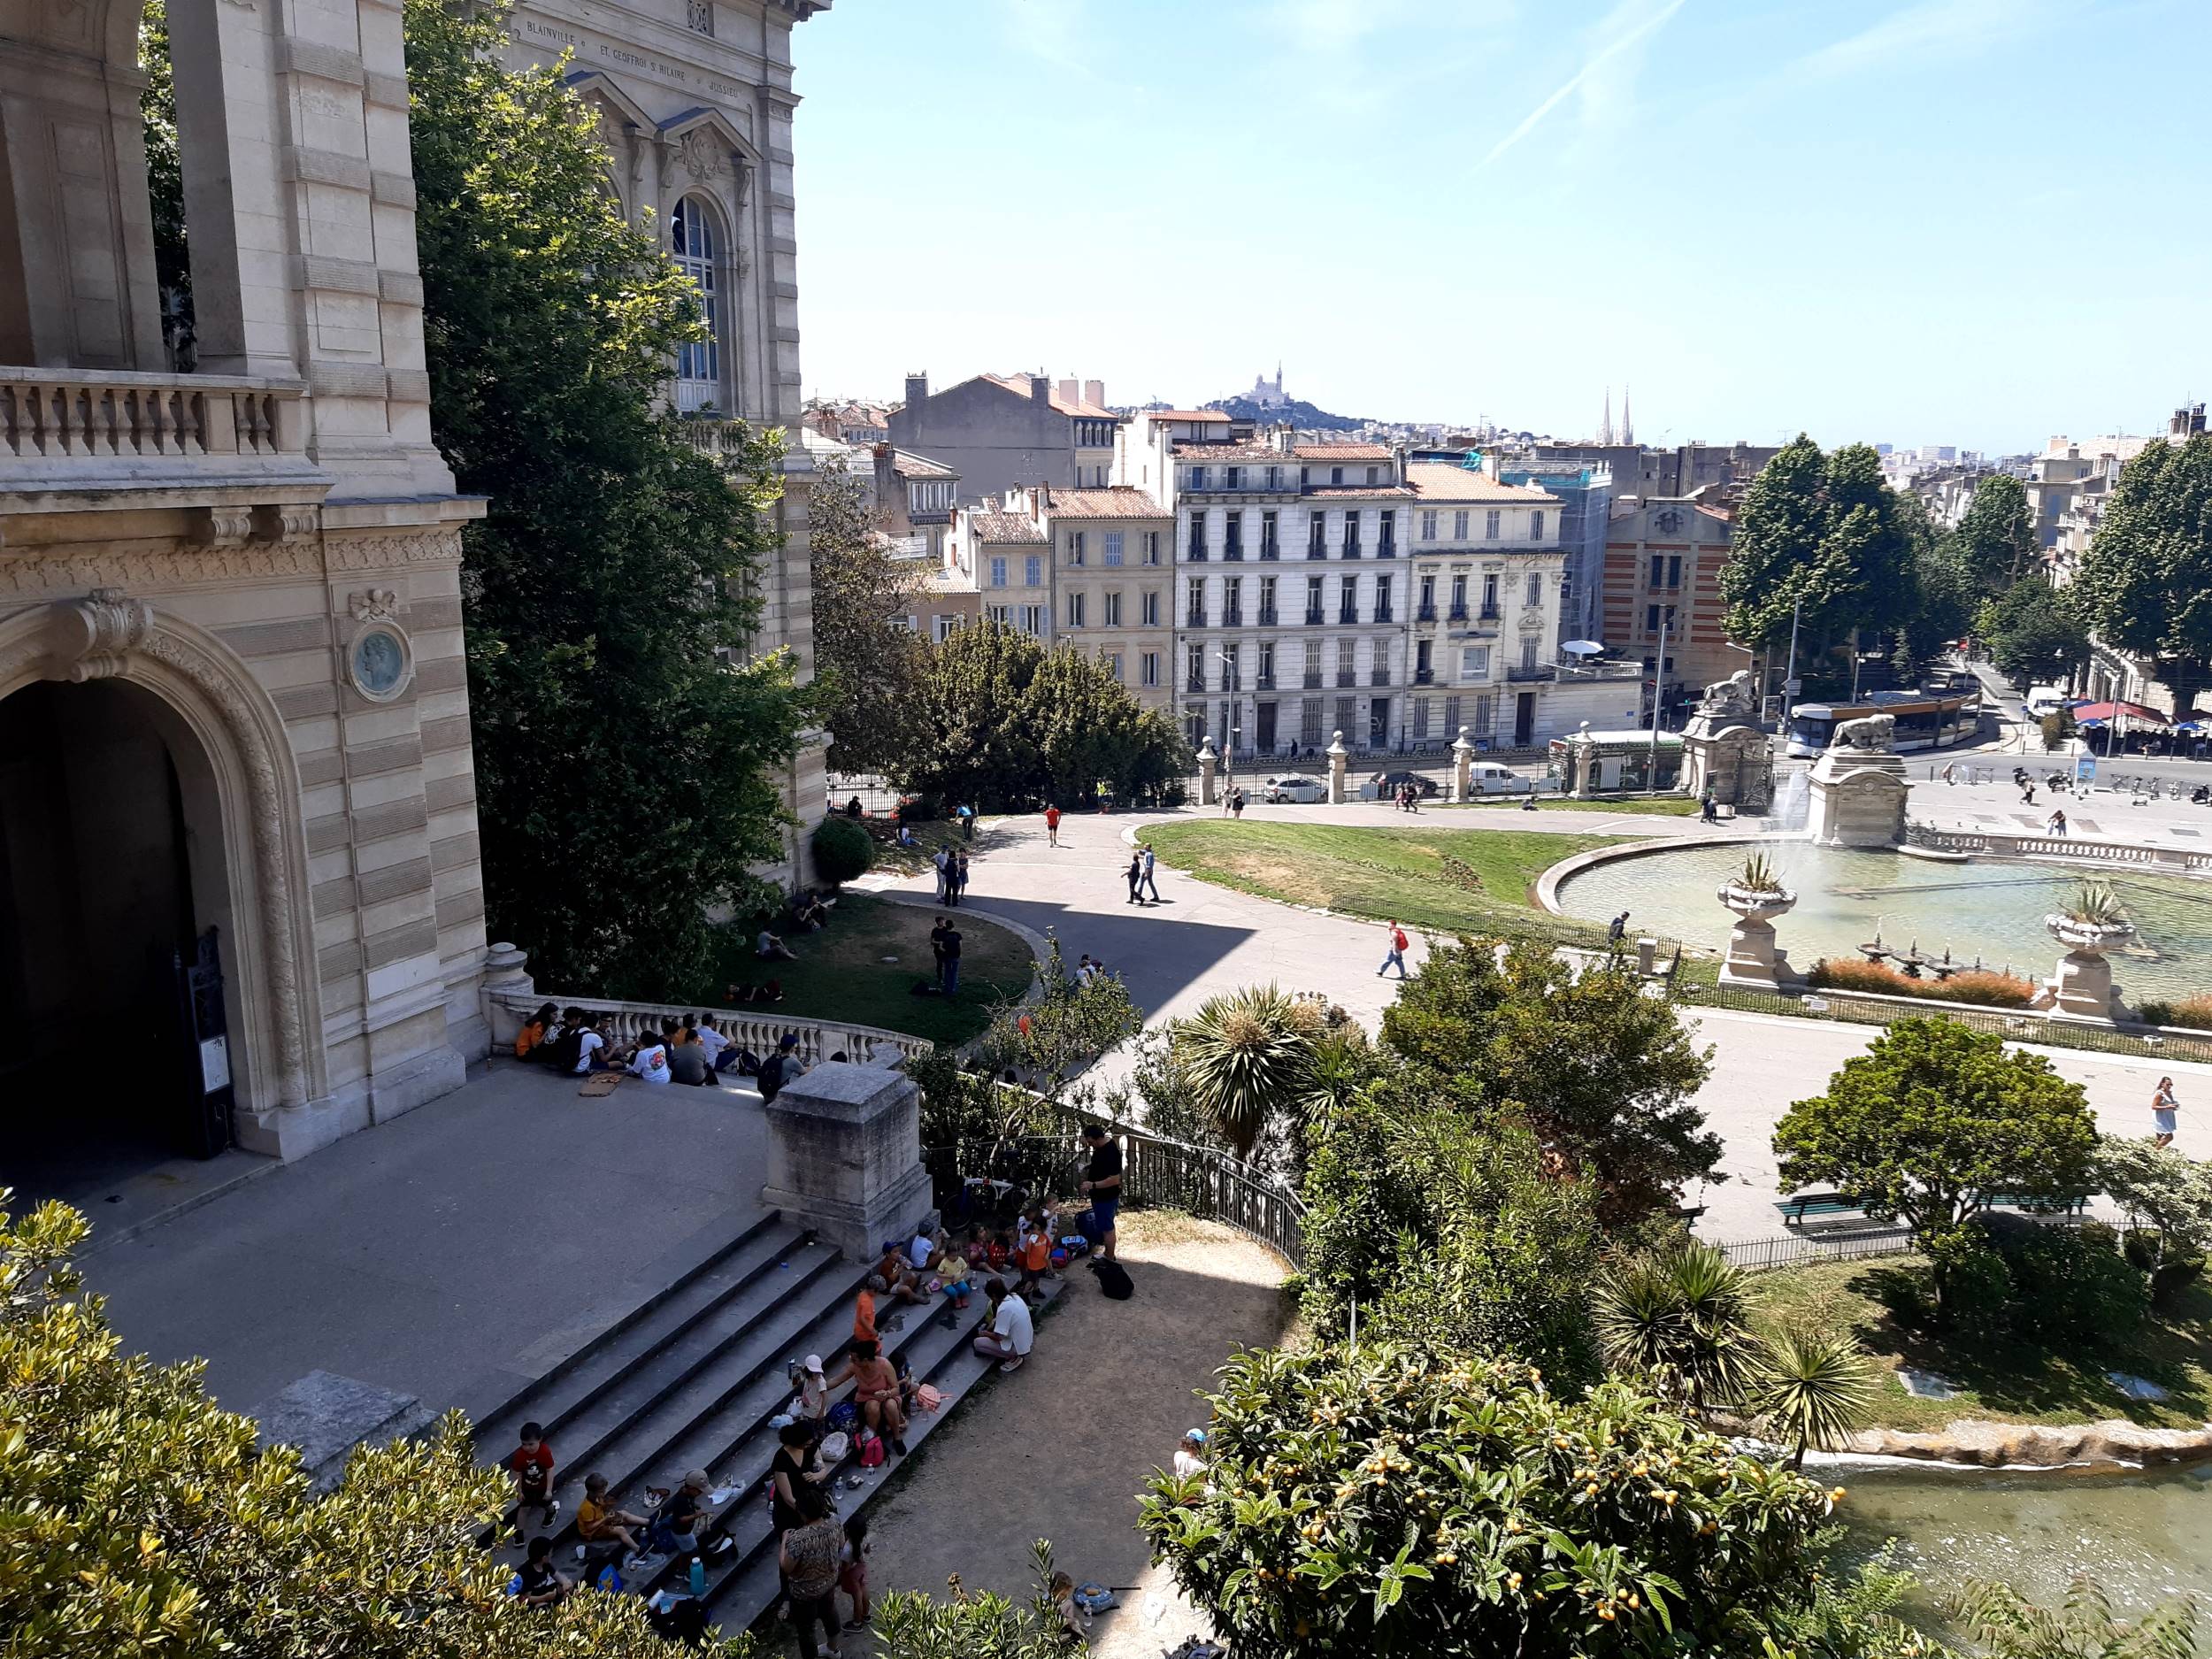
[[1052, 827], [1616, 931], [1151, 884], [2056, 822], [1136, 873], [949, 964], [2163, 1106], [1950, 771], [1708, 812], [943, 861], [967, 823], [1397, 954], [1236, 803], [1105, 796], [960, 873]]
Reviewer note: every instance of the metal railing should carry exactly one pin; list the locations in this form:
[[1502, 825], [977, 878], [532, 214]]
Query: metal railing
[[1156, 1174], [1756, 1254]]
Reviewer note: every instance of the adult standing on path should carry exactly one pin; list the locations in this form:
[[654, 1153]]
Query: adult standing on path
[[960, 875], [1151, 881], [1397, 952], [943, 861], [1135, 875], [1616, 931], [1052, 827], [2163, 1106], [1102, 1181], [949, 958]]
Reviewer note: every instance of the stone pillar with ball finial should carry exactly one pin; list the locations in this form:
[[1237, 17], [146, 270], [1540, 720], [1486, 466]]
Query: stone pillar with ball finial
[[1338, 755]]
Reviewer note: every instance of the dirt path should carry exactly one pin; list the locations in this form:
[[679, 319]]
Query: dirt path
[[1059, 1449]]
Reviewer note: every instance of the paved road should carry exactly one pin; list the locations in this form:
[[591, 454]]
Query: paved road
[[1207, 940]]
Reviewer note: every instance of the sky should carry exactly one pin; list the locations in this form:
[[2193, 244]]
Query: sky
[[1978, 222]]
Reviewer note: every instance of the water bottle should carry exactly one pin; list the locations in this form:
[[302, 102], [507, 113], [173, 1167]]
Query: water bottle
[[698, 1579]]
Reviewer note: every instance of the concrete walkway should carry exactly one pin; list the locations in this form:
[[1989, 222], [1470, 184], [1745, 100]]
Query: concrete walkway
[[420, 1254], [1206, 940]]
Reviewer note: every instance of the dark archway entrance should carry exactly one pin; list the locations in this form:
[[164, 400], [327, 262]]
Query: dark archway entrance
[[102, 821]]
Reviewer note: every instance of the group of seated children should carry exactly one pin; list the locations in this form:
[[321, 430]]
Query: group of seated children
[[609, 1536], [685, 1050]]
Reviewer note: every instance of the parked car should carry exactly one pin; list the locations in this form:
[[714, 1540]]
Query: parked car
[[1383, 785], [1487, 777], [1294, 788]]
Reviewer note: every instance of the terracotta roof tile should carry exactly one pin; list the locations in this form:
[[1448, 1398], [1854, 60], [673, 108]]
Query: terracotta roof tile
[[1340, 452], [906, 464], [1004, 526], [1209, 416], [1019, 387], [1119, 501], [1216, 449], [1440, 482]]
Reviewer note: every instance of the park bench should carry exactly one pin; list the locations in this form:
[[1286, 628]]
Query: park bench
[[1802, 1207]]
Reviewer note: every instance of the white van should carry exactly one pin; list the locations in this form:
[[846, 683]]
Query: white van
[[1487, 777], [2043, 699]]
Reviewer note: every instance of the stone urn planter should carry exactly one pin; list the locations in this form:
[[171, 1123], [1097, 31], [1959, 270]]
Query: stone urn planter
[[1753, 963], [2082, 988]]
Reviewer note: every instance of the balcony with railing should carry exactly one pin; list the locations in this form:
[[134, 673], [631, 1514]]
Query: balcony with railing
[[1312, 678], [1348, 614], [1526, 673], [1313, 616], [1382, 611], [1386, 549], [1424, 613], [1265, 682], [1232, 617], [1347, 677], [1197, 551], [72, 432], [1267, 616], [1233, 549], [1488, 613], [1195, 682], [1380, 675], [1194, 618], [1425, 676], [1458, 613], [1270, 551]]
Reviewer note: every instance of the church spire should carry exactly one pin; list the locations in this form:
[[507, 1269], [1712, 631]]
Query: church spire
[[1605, 426], [1628, 432]]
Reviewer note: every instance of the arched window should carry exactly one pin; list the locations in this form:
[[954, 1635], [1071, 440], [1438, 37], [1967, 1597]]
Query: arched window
[[699, 363]]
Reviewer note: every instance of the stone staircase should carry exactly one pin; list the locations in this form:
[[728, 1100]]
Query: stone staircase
[[689, 1378]]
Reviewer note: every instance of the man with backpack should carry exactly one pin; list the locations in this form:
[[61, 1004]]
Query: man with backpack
[[1398, 943], [781, 1067], [1101, 1180]]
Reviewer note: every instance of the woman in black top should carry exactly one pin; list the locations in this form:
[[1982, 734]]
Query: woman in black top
[[793, 1463]]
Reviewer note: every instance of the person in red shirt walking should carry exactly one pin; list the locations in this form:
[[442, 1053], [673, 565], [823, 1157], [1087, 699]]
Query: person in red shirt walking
[[1052, 827], [1398, 943]]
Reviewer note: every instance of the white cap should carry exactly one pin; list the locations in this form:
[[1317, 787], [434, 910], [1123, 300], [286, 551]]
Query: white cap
[[814, 1364]]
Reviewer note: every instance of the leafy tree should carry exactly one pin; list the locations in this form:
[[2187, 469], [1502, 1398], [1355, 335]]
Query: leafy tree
[[1822, 530], [1813, 1386], [1004, 723], [2161, 1187], [2007, 1625], [1943, 604], [909, 1626], [165, 182], [141, 1522], [2034, 632], [868, 663], [2145, 586], [843, 851], [1604, 1074], [1934, 1121], [1995, 539], [2056, 729], [1244, 1060], [624, 772], [1676, 1321], [1385, 1502]]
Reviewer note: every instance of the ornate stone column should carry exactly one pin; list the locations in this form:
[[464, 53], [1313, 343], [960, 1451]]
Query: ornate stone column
[[844, 1156]]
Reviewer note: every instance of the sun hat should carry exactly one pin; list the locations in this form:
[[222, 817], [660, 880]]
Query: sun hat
[[696, 1480]]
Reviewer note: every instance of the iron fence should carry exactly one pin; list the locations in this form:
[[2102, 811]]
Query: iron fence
[[989, 1183], [1755, 1254]]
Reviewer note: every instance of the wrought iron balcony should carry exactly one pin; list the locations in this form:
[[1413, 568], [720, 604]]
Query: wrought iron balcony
[[1233, 618], [1544, 671], [1378, 677], [1313, 679], [1489, 613], [1347, 677], [1313, 616], [1425, 676], [1424, 613], [1267, 616], [1194, 619], [1458, 613]]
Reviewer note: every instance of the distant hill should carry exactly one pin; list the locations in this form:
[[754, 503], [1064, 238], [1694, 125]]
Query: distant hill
[[1296, 411]]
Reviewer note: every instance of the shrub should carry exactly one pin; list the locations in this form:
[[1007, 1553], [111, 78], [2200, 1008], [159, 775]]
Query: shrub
[[2191, 1013], [843, 851], [919, 808], [1979, 988], [2066, 1285]]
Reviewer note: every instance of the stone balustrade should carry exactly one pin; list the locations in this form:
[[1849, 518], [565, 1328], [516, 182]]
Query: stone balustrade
[[622, 1022], [2074, 849], [63, 421]]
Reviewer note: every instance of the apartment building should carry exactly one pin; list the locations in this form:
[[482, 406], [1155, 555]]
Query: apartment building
[[1003, 433], [914, 499], [1112, 573], [1004, 557], [1291, 581], [1663, 565]]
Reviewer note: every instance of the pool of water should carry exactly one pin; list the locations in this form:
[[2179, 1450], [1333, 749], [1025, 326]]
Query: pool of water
[[2143, 1536], [1989, 908]]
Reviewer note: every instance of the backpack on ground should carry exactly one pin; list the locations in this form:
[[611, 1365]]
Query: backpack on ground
[[872, 1452], [1095, 1598], [1113, 1279]]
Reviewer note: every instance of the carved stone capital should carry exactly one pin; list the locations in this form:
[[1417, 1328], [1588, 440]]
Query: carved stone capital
[[222, 526], [92, 638], [374, 604]]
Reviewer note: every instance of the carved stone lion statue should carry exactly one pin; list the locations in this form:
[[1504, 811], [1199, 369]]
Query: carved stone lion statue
[[1873, 733], [1731, 696]]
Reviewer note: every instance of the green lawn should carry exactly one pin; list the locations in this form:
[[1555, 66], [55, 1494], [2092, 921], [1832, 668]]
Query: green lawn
[[1446, 880], [841, 973], [1645, 805], [2007, 1380]]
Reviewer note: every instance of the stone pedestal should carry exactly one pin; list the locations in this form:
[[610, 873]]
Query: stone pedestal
[[844, 1156], [1463, 764], [1752, 962], [2082, 989], [1858, 799], [1337, 754], [1209, 773], [506, 978], [1732, 763]]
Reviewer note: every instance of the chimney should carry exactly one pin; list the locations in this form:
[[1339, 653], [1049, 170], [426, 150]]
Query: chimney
[[1094, 393], [1040, 390], [917, 388], [1398, 463], [1070, 392]]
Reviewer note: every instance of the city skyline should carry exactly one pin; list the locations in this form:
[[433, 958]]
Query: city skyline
[[1914, 225]]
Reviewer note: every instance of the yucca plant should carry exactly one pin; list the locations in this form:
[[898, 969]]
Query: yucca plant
[[2096, 905], [1813, 1387], [2007, 1625], [1246, 1058], [1757, 875], [1677, 1321]]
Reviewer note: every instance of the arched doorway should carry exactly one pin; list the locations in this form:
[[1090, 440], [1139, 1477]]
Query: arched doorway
[[111, 877]]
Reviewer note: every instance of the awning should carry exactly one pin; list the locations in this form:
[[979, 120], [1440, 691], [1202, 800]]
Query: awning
[[2101, 712], [1582, 647]]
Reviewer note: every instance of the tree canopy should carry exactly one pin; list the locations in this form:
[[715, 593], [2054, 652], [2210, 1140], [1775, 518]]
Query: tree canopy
[[1996, 537], [2034, 632], [2145, 585], [626, 772], [868, 662], [1823, 529], [138, 1520]]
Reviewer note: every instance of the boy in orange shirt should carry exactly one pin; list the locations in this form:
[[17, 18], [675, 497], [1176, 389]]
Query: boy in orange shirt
[[1036, 1258]]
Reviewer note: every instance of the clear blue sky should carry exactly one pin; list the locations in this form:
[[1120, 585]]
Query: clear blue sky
[[1969, 221]]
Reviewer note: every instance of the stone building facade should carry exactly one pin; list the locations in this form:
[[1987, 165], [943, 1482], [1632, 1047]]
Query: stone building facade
[[237, 800], [1004, 433], [694, 103], [1663, 565]]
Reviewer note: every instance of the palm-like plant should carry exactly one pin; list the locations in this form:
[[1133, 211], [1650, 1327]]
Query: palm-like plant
[[1246, 1058], [2097, 905], [1757, 875], [1677, 1321], [2010, 1627], [1813, 1387]]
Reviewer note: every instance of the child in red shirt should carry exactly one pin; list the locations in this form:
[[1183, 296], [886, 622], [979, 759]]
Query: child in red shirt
[[531, 1463]]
